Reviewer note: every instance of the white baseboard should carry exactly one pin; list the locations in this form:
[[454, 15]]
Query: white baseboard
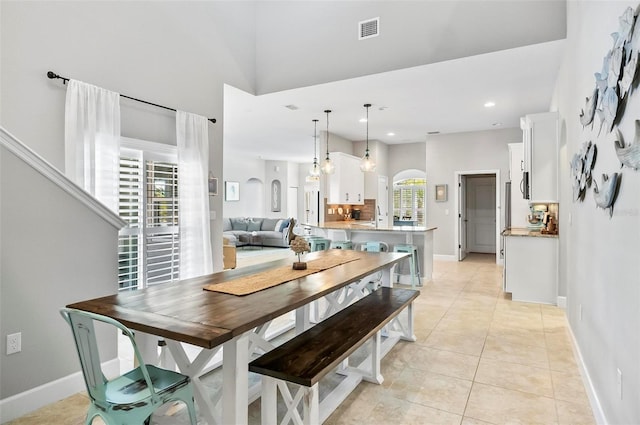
[[25, 402], [562, 302], [439, 257], [598, 413]]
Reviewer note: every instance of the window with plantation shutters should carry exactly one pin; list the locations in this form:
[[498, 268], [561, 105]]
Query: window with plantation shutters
[[409, 200], [149, 246]]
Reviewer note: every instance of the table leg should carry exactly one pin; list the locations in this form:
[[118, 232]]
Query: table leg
[[235, 380], [302, 319], [194, 370], [148, 347], [386, 277]]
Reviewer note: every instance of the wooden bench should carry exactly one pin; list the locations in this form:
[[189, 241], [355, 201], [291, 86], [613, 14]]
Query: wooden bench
[[307, 358]]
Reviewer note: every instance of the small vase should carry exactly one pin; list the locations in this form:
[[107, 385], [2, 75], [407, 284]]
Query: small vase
[[299, 265]]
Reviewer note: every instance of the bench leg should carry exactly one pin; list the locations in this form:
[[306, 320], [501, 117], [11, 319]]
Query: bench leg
[[410, 335], [269, 401], [376, 376], [311, 406]]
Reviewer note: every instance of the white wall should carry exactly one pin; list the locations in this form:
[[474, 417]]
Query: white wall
[[54, 251], [406, 156], [600, 254], [135, 48], [305, 43], [241, 170], [472, 151]]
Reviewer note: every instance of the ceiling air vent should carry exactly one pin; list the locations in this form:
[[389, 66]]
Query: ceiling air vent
[[369, 28]]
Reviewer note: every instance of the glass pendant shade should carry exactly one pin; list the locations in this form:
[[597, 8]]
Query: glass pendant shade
[[314, 170], [327, 165], [367, 164]]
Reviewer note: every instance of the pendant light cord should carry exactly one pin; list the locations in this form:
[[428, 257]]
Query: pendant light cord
[[315, 141], [367, 105], [327, 111]]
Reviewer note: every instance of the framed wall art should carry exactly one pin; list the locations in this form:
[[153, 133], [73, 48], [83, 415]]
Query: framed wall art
[[231, 191], [441, 193]]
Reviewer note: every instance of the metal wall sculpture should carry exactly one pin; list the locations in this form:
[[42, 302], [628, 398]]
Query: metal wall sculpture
[[606, 105]]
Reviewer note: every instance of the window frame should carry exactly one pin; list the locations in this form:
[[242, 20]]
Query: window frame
[[145, 151]]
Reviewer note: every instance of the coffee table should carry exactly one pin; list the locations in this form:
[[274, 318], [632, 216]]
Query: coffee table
[[250, 240]]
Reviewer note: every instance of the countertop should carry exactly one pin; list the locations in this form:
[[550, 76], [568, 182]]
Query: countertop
[[518, 231], [367, 226]]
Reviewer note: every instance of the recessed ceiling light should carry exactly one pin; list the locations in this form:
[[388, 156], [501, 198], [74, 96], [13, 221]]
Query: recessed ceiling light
[[391, 134], [292, 107], [489, 104], [363, 120], [433, 132]]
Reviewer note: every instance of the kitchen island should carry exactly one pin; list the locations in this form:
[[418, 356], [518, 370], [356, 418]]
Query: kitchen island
[[530, 271], [360, 232]]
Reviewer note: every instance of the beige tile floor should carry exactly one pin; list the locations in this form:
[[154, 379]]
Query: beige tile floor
[[479, 358]]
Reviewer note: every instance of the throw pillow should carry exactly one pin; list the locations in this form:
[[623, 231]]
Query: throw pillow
[[277, 227], [238, 224], [269, 224], [283, 225], [254, 226]]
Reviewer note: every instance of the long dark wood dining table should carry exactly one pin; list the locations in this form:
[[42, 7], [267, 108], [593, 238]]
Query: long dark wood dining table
[[184, 312]]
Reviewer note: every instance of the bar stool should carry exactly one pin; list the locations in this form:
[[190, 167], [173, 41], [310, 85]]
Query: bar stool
[[319, 244], [339, 239], [374, 246], [414, 264], [342, 244]]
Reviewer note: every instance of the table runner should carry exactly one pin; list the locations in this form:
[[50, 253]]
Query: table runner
[[249, 284]]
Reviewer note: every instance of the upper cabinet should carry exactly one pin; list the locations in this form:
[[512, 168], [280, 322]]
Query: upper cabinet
[[346, 185], [540, 143]]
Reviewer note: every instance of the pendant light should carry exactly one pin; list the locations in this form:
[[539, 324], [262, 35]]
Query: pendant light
[[367, 164], [314, 171], [327, 165]]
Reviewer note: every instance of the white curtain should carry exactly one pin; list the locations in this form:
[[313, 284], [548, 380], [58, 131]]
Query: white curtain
[[193, 195], [92, 140]]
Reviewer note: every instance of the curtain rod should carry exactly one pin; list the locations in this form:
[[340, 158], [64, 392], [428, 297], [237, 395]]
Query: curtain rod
[[52, 75]]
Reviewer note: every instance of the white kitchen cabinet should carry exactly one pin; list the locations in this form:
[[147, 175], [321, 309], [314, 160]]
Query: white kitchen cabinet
[[531, 268], [540, 141], [346, 184], [519, 207]]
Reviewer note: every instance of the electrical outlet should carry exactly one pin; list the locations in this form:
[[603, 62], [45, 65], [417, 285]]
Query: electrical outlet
[[14, 343], [619, 383]]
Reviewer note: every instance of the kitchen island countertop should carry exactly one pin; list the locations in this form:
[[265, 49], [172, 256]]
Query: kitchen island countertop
[[519, 231], [365, 225]]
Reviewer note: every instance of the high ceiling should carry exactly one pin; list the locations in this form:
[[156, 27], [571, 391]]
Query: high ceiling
[[447, 97]]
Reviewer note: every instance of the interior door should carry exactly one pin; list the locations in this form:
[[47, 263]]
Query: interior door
[[382, 210], [462, 217], [481, 214]]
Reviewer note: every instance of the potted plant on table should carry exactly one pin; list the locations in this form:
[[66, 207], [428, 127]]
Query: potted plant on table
[[299, 245]]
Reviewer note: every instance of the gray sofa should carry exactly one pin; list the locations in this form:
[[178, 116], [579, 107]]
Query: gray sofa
[[269, 231]]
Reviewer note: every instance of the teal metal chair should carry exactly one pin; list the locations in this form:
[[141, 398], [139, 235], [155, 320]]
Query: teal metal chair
[[132, 398]]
